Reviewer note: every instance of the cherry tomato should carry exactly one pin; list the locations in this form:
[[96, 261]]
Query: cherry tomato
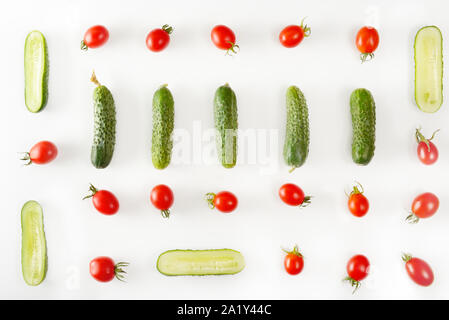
[[104, 201], [162, 198], [357, 203], [224, 201], [427, 151], [293, 195], [158, 39], [224, 38], [104, 269], [292, 35], [357, 269], [95, 37], [418, 270], [424, 206], [41, 153], [367, 40], [293, 261]]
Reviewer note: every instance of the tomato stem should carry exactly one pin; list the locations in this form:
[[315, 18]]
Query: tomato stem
[[210, 197], [93, 78], [84, 46], [420, 137], [93, 191], [165, 213], [412, 218], [26, 157], [119, 272], [295, 251], [167, 28], [406, 257], [366, 56], [354, 283], [232, 49], [356, 189], [305, 28], [306, 202]]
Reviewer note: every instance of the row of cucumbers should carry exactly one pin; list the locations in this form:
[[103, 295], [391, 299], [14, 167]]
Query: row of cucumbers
[[296, 147]]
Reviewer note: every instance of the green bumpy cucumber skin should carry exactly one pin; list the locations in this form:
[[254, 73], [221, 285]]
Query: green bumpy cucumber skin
[[363, 113], [44, 77], [104, 127], [226, 125], [296, 147], [163, 124]]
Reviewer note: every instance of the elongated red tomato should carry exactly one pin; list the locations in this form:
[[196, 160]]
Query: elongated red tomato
[[224, 201], [104, 269], [293, 195], [162, 198], [41, 153], [367, 40], [357, 269], [427, 151], [424, 206], [103, 200], [418, 270], [293, 261], [292, 35], [158, 39], [95, 37], [357, 203], [224, 38]]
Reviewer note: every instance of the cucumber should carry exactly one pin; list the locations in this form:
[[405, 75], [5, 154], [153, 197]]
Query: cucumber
[[34, 247], [225, 114], [163, 123], [296, 147], [200, 262], [36, 71], [104, 126], [363, 113], [429, 69]]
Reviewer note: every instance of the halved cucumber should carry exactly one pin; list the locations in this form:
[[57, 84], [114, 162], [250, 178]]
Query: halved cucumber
[[36, 71], [429, 69], [34, 247], [200, 262]]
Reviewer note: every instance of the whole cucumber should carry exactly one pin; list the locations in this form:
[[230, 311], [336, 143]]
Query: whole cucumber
[[163, 123], [104, 126], [363, 113], [225, 114], [296, 147]]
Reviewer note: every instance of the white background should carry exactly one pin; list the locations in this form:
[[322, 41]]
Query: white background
[[325, 66]]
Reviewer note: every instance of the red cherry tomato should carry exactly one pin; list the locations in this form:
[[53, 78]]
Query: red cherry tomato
[[292, 35], [95, 37], [357, 203], [41, 153], [104, 201], [294, 261], [424, 206], [357, 269], [224, 38], [224, 201], [367, 40], [104, 269], [418, 270], [293, 195], [162, 198], [158, 39], [427, 151]]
